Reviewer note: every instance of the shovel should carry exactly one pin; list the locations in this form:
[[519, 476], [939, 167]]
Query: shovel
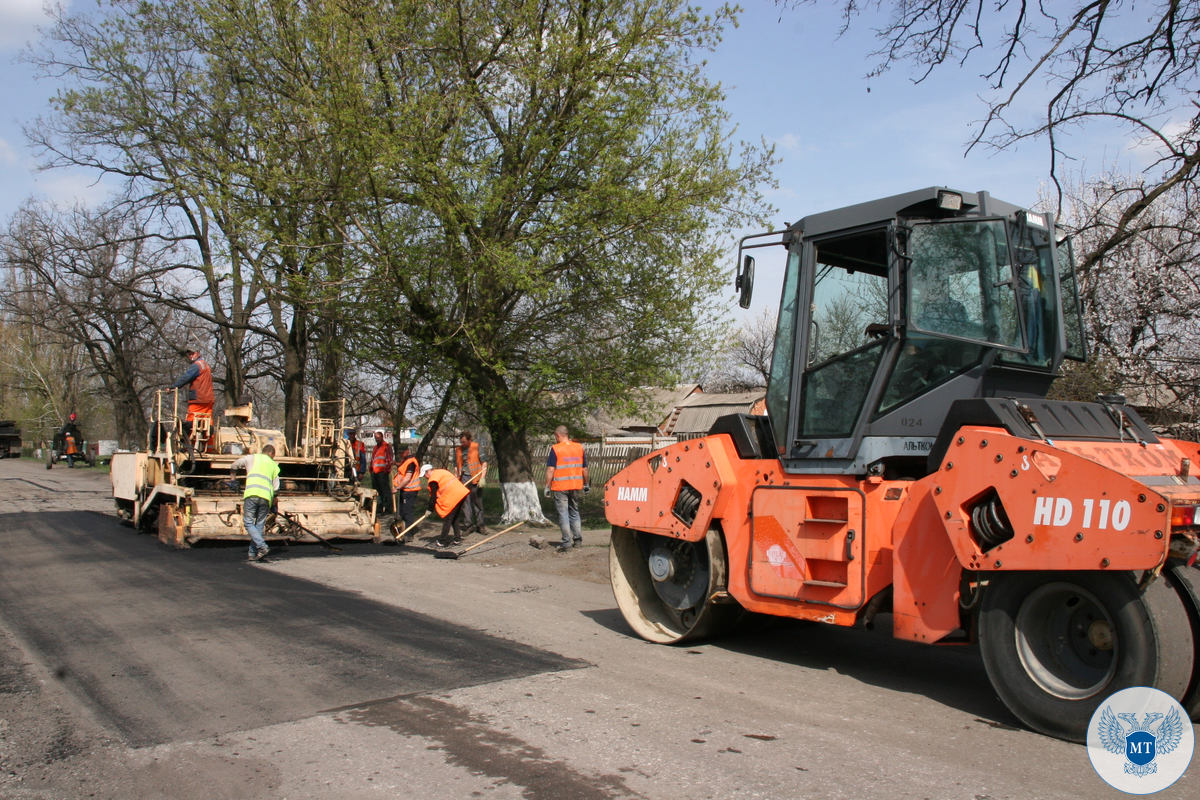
[[400, 536], [324, 542], [464, 551]]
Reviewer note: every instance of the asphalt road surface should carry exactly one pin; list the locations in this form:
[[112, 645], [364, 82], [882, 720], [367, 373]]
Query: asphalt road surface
[[131, 670]]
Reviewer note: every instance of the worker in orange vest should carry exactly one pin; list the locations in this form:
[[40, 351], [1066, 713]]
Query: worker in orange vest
[[447, 496], [360, 453], [566, 479], [471, 469], [406, 485], [381, 474]]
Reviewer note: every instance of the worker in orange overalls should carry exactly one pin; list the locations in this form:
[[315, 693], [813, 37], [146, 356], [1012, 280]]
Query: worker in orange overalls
[[471, 469], [447, 496], [198, 379]]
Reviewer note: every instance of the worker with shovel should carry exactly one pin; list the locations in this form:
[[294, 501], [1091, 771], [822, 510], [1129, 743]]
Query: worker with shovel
[[406, 483], [446, 497]]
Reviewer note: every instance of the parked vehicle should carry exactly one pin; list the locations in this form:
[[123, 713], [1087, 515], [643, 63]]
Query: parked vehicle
[[10, 439]]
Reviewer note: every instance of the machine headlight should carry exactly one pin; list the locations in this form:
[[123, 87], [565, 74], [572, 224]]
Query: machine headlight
[[949, 201]]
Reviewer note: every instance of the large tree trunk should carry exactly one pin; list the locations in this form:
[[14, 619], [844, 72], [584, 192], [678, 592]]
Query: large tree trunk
[[293, 379], [128, 413], [522, 503], [521, 499], [235, 374]]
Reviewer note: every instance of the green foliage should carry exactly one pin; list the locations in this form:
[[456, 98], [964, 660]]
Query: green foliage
[[550, 185], [530, 196]]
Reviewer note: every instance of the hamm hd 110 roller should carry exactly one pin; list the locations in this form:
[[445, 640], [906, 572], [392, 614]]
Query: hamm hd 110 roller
[[910, 463]]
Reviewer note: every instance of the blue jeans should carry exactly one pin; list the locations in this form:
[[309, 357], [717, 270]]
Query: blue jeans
[[254, 516], [567, 505]]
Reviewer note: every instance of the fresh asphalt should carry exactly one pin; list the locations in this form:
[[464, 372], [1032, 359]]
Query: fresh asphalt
[[168, 646]]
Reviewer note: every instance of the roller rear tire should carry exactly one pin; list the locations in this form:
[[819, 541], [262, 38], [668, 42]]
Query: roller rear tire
[[671, 591], [1186, 581], [1056, 644]]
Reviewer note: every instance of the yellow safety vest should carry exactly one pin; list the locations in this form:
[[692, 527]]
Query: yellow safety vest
[[261, 477]]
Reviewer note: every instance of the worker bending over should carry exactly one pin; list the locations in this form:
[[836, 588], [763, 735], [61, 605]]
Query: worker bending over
[[447, 495]]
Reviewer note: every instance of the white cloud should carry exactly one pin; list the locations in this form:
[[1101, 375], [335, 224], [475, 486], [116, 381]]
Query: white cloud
[[1146, 150], [8, 156], [19, 21], [66, 188], [789, 141]]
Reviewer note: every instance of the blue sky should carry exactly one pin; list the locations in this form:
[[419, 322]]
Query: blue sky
[[789, 79]]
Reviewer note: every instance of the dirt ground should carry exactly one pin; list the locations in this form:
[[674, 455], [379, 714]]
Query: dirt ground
[[532, 547]]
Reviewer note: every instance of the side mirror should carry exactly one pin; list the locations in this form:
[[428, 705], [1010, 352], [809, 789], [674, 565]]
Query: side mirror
[[744, 283]]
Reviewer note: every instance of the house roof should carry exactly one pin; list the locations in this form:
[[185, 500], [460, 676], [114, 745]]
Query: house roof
[[660, 403], [698, 412]]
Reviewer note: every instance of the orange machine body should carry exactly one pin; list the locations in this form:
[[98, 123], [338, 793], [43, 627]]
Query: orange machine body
[[822, 547]]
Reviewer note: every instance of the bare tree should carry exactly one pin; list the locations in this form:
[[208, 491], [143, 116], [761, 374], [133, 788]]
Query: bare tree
[[744, 363], [187, 112], [79, 278], [753, 344], [1107, 66]]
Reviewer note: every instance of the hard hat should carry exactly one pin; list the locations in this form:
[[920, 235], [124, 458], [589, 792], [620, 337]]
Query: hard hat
[[72, 417], [425, 470]]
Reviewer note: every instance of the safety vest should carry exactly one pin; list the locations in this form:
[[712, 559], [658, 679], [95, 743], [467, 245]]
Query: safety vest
[[261, 477], [450, 491], [473, 462], [202, 385], [1034, 278], [70, 444], [402, 483], [568, 467], [381, 457]]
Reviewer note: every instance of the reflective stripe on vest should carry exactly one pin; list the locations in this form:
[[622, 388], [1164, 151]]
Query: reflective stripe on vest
[[568, 466], [413, 485], [260, 478], [381, 458], [474, 464]]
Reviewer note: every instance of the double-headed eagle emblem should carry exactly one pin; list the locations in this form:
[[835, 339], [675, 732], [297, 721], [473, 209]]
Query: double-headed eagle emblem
[[1143, 742]]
